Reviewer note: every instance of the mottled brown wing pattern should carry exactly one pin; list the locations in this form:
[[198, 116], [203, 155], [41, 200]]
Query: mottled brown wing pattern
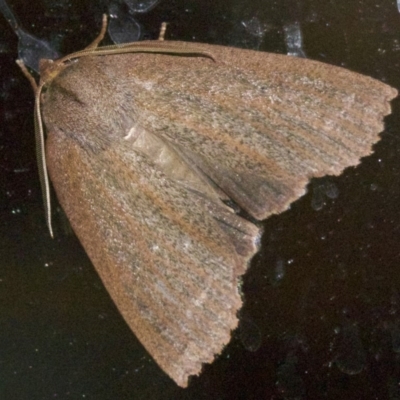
[[140, 169]]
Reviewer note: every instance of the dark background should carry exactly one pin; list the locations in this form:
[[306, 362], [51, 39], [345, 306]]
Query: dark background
[[322, 298]]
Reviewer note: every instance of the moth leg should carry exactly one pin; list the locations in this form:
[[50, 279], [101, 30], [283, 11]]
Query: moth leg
[[163, 28], [101, 35], [28, 75]]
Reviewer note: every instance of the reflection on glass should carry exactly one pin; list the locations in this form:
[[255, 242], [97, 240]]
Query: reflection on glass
[[320, 192], [123, 27], [30, 48], [141, 6], [250, 334], [350, 355], [294, 40]]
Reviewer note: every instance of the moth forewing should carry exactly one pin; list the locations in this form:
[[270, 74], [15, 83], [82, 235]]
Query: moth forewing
[[144, 144]]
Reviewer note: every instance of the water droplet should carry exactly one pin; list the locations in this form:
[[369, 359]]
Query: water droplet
[[350, 354], [250, 334]]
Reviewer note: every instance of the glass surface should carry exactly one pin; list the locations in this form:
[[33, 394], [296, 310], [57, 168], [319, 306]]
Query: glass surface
[[321, 299]]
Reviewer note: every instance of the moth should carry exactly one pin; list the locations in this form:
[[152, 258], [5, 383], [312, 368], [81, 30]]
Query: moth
[[153, 146]]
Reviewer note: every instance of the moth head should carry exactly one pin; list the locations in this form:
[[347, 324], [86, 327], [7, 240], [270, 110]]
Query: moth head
[[49, 69]]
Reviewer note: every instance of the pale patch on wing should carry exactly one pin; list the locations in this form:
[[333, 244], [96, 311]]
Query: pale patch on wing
[[168, 160]]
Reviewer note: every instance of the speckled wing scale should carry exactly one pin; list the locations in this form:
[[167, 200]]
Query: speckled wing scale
[[142, 149]]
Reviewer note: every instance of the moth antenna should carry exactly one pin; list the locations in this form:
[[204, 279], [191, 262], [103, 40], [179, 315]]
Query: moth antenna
[[136, 47], [101, 35], [163, 29], [40, 147], [41, 160]]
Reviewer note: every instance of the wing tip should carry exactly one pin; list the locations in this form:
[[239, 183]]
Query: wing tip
[[190, 367]]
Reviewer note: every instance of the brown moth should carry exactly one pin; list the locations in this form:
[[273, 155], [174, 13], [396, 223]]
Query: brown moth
[[147, 142]]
